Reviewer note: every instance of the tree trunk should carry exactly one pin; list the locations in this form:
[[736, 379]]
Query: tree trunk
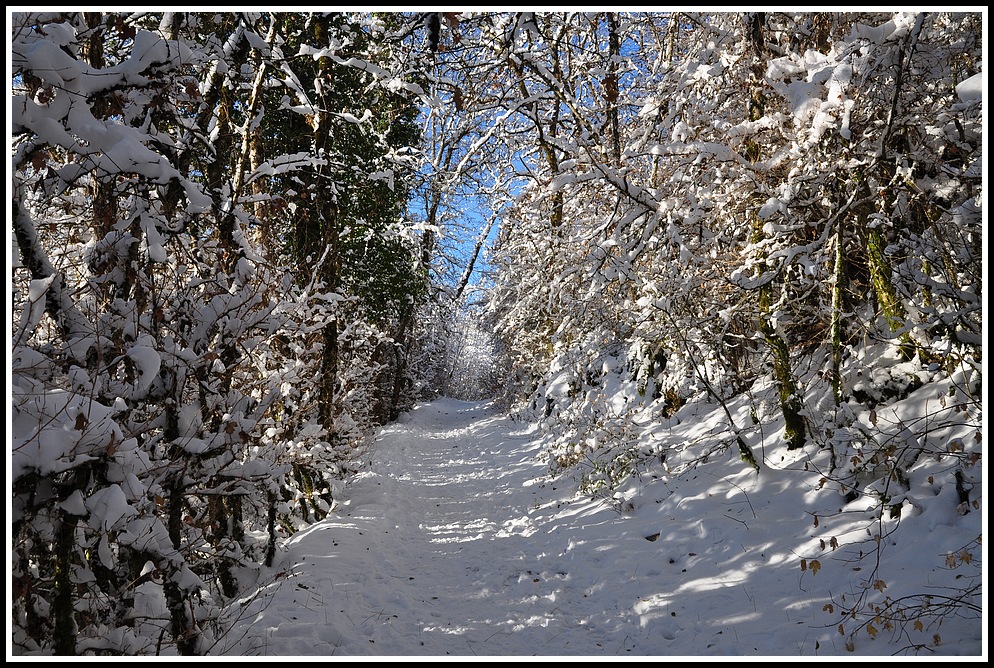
[[611, 93], [182, 626], [888, 300], [328, 223], [790, 402], [71, 323], [783, 374], [63, 613], [270, 528], [838, 283]]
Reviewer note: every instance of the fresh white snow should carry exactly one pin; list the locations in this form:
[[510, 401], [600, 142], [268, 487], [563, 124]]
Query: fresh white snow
[[456, 543]]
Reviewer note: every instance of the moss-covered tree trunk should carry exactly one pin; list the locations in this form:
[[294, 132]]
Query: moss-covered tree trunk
[[783, 374], [787, 391], [888, 301]]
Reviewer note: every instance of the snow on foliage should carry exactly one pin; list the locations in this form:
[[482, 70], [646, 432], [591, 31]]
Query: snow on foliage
[[237, 256], [165, 367], [810, 187]]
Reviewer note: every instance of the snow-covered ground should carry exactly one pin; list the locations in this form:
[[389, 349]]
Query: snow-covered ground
[[456, 542]]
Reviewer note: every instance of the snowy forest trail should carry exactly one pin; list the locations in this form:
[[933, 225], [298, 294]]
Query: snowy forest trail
[[727, 267], [456, 542], [432, 554]]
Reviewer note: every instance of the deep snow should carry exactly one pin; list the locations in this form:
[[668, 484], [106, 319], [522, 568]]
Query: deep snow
[[456, 542]]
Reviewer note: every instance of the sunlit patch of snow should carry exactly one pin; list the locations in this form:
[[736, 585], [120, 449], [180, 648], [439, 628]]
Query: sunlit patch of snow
[[467, 538], [450, 630], [534, 620], [460, 532], [522, 526]]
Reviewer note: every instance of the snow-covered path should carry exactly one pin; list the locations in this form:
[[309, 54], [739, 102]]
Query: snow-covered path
[[443, 518], [456, 542], [456, 571]]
